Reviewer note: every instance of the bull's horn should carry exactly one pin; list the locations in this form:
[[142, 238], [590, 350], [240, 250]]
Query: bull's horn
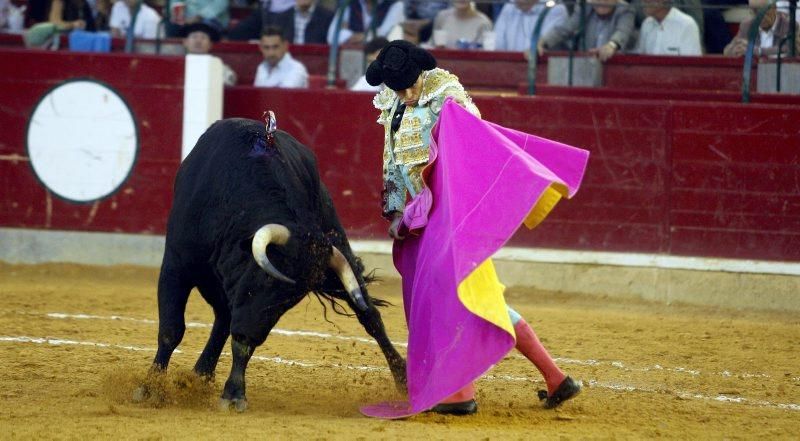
[[339, 264], [270, 234]]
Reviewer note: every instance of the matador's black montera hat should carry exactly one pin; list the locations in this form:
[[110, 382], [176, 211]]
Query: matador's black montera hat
[[399, 65]]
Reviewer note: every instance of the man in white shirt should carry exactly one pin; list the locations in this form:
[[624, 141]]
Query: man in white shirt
[[667, 31], [147, 19], [279, 69], [516, 23]]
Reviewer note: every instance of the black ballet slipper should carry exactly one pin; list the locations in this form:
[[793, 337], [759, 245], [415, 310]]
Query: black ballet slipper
[[459, 409], [568, 389]]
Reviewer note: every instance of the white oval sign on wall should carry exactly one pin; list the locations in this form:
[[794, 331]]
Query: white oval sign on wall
[[82, 140]]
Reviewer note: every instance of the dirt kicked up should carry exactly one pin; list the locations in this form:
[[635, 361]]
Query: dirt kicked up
[[75, 340]]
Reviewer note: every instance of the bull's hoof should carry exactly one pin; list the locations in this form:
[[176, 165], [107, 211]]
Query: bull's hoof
[[140, 394], [238, 404]]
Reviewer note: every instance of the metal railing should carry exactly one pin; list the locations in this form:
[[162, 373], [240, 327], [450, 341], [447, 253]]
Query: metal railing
[[533, 53], [751, 42]]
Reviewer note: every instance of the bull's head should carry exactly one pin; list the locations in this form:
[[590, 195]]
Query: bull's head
[[278, 235]]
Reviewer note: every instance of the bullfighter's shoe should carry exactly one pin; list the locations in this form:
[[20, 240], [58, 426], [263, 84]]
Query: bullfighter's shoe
[[568, 389], [459, 409]]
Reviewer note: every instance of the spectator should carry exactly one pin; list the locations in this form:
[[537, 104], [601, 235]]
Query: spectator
[[461, 22], [517, 21], [279, 69], [145, 26], [774, 27], [199, 38], [667, 31], [608, 28], [5, 13], [195, 11], [65, 14], [101, 11], [419, 18], [305, 22], [692, 8], [371, 51], [41, 36], [362, 15]]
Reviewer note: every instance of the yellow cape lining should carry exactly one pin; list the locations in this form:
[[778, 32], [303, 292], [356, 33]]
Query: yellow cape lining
[[481, 291]]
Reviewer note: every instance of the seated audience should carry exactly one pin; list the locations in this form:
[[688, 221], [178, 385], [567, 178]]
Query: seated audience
[[199, 38], [194, 11], [279, 69], [362, 15], [608, 28], [667, 31], [145, 26], [460, 22], [517, 20], [692, 8], [774, 27], [305, 22], [5, 14], [65, 14], [419, 18], [101, 11], [371, 51]]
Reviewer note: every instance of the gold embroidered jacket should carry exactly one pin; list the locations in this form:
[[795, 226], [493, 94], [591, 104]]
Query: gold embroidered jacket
[[405, 152]]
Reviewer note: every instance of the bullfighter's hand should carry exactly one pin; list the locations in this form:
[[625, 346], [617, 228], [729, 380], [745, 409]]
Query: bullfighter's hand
[[394, 228]]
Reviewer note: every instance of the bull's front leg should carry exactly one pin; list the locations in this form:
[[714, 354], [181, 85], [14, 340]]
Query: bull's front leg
[[370, 318], [233, 395]]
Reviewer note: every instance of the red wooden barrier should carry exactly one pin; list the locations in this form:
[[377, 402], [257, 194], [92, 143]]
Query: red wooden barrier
[[706, 179]]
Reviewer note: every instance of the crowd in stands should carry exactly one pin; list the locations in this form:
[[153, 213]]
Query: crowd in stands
[[601, 27]]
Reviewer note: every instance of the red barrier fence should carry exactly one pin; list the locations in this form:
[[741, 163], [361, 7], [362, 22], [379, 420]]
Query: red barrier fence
[[683, 178]]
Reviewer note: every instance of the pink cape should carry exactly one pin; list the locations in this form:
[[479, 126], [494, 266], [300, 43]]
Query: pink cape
[[483, 181]]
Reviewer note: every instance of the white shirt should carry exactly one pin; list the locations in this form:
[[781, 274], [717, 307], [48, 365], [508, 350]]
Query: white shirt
[[677, 34], [513, 28], [767, 37], [288, 73], [363, 86], [394, 16], [146, 25]]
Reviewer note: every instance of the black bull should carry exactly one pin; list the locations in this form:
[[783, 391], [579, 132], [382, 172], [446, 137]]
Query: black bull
[[232, 184]]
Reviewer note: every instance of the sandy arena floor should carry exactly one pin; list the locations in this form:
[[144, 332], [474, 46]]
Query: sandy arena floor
[[75, 339]]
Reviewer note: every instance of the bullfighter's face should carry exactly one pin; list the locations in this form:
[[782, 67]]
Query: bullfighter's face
[[410, 96]]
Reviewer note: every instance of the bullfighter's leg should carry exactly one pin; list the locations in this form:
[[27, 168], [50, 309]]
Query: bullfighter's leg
[[213, 293], [371, 320], [173, 292]]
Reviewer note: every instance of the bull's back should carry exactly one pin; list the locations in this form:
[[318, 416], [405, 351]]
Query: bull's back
[[224, 175]]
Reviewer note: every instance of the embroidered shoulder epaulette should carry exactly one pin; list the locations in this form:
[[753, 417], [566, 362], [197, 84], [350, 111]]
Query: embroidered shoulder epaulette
[[436, 82], [384, 99]]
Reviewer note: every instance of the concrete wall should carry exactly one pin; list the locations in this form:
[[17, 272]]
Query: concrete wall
[[778, 290]]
